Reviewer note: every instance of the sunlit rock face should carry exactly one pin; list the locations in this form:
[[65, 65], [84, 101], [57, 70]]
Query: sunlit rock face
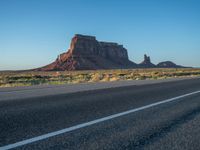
[[86, 53]]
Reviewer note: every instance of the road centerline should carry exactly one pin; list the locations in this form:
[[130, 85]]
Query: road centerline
[[96, 121]]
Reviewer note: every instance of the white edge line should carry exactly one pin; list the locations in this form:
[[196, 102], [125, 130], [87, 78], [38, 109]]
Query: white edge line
[[82, 125]]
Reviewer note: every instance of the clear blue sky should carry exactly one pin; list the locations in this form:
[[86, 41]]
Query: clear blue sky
[[34, 32]]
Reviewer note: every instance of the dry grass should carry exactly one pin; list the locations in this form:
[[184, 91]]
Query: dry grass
[[23, 78]]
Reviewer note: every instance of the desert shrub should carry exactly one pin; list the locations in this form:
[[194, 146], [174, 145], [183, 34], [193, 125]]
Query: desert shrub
[[33, 78], [142, 77], [114, 78], [96, 77], [105, 77]]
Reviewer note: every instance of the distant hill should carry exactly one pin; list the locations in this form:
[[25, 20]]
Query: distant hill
[[168, 64], [86, 53]]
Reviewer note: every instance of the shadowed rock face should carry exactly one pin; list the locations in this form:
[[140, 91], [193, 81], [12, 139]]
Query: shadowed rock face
[[168, 64], [147, 63], [88, 46], [86, 53]]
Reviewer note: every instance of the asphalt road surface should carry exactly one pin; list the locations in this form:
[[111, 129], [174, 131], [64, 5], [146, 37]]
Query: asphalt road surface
[[156, 115]]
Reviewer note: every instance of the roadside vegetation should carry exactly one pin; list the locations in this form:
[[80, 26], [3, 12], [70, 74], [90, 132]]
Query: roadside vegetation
[[24, 78]]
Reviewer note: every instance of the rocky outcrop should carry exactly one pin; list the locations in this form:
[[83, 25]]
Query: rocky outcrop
[[168, 64], [86, 53], [147, 63]]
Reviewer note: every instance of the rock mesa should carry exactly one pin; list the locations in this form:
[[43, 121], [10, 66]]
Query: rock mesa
[[86, 53]]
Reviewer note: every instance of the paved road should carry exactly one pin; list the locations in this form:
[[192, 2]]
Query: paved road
[[49, 90], [162, 115]]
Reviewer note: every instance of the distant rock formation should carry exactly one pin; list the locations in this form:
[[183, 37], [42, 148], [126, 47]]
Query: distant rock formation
[[147, 63], [86, 53], [168, 64]]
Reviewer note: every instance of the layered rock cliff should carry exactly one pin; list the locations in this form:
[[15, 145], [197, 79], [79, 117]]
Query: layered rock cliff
[[86, 53]]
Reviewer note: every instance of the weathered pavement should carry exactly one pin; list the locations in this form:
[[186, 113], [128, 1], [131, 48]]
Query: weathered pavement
[[172, 125]]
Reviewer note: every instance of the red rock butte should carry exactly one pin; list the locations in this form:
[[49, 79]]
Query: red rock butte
[[87, 53]]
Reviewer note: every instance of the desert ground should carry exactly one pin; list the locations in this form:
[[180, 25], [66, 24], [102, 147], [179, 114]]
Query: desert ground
[[29, 78]]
